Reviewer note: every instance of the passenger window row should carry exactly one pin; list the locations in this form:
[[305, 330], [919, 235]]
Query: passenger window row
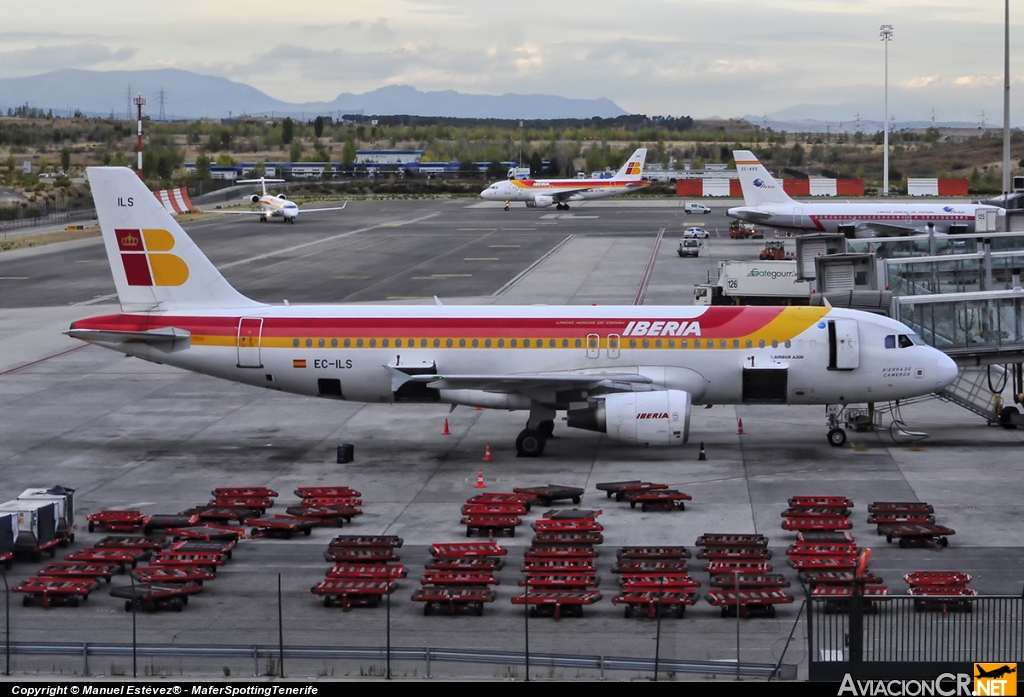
[[613, 343]]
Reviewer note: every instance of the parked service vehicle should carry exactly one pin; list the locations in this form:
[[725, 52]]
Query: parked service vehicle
[[739, 231], [754, 283], [690, 247], [696, 208], [698, 232]]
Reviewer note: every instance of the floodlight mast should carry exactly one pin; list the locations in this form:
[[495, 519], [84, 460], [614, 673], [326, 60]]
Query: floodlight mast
[[886, 33]]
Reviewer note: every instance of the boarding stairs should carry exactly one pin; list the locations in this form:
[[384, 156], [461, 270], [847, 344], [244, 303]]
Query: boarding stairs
[[974, 390]]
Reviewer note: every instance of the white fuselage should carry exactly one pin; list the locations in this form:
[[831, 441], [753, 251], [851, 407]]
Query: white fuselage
[[718, 355], [556, 190], [275, 207], [835, 217]]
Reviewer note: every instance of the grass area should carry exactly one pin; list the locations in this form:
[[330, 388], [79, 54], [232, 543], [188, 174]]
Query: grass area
[[43, 238]]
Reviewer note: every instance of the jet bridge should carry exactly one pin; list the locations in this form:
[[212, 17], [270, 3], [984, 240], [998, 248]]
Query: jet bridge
[[982, 331]]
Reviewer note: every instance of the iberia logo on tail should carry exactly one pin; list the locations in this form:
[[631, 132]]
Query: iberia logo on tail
[[633, 169], [144, 255]]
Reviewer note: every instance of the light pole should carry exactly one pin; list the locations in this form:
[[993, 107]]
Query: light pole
[[886, 33], [1007, 181]]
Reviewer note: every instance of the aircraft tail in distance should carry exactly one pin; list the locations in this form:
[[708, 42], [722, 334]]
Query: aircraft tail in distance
[[634, 167], [758, 186]]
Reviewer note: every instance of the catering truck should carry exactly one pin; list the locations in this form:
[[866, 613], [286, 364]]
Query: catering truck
[[754, 283]]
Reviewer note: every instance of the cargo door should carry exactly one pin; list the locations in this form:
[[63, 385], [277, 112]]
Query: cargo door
[[250, 331], [843, 345], [765, 385]]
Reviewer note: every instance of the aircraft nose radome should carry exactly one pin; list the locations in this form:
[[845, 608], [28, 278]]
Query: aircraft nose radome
[[946, 371]]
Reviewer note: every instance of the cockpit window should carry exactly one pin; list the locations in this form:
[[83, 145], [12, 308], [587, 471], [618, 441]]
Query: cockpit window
[[890, 341], [905, 341]]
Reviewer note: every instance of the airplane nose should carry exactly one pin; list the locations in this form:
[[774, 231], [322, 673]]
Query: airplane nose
[[946, 371]]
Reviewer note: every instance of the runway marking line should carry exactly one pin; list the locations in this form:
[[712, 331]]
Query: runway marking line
[[504, 246], [482, 259], [14, 278], [434, 277]]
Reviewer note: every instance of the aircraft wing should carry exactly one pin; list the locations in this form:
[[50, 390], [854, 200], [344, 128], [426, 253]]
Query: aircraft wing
[[528, 384], [237, 212], [887, 230], [320, 210]]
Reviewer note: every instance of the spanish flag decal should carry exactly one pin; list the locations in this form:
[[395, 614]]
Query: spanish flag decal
[[299, 363]]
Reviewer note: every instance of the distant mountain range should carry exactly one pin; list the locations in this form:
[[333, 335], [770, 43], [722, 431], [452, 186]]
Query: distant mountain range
[[189, 95], [839, 118]]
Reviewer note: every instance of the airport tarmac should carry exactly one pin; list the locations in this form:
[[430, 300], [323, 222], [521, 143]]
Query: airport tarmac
[[130, 434]]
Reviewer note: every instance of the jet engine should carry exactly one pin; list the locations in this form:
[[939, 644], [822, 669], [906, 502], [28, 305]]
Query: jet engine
[[255, 198], [541, 202], [638, 418], [282, 197]]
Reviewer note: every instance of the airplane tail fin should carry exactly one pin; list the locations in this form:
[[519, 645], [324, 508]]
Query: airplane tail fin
[[262, 181], [156, 266], [758, 186], [634, 167]]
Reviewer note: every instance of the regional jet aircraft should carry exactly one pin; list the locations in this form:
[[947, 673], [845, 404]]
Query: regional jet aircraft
[[541, 193], [767, 204], [275, 205], [631, 372]]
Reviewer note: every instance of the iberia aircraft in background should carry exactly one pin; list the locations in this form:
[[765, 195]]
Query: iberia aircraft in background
[[632, 372], [275, 205], [541, 193], [766, 203]]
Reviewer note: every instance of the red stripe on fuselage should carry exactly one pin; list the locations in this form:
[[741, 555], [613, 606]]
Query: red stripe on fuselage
[[715, 322]]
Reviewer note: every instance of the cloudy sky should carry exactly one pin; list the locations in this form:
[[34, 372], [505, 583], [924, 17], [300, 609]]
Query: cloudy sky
[[670, 57]]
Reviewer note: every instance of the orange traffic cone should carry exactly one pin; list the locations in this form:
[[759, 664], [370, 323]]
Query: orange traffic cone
[[739, 427], [487, 453], [446, 432], [703, 455], [480, 480]]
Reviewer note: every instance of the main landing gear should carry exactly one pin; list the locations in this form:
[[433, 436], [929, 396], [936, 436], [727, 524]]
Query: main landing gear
[[263, 218], [562, 206], [533, 438]]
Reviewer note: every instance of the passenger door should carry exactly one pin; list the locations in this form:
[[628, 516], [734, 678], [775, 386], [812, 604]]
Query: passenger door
[[250, 331]]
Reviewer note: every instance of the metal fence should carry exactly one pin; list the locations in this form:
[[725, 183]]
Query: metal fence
[[12, 226], [909, 636], [242, 627]]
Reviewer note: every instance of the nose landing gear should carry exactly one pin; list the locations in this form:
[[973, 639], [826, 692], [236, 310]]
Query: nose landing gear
[[836, 435]]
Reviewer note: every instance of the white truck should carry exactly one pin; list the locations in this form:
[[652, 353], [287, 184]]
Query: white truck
[[754, 283], [519, 173]]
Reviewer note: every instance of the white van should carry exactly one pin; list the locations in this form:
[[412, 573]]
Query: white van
[[696, 208]]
